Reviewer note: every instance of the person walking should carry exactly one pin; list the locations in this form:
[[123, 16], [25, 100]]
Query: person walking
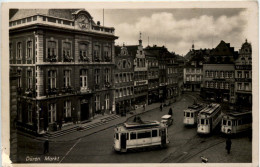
[[228, 145], [161, 107], [46, 146], [170, 111]]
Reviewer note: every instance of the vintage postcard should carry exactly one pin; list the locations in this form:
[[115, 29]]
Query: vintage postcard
[[130, 83]]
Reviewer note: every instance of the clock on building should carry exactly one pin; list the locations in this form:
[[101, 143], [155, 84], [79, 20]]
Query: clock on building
[[83, 22]]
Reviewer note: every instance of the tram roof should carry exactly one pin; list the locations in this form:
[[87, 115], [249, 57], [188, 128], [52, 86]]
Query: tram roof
[[139, 126], [238, 113], [210, 109], [194, 108]]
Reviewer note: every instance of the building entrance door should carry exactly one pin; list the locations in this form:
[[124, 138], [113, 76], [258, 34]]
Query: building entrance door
[[84, 110]]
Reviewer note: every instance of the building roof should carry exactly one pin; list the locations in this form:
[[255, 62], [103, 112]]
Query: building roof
[[60, 13], [132, 49], [117, 50]]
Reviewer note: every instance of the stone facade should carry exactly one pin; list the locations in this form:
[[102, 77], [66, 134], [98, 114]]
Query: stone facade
[[64, 62]]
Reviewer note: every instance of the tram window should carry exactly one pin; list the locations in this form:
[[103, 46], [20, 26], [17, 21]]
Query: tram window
[[191, 115], [229, 123], [207, 122], [142, 135], [202, 121], [117, 136], [224, 122], [133, 135], [127, 136], [187, 114], [154, 133]]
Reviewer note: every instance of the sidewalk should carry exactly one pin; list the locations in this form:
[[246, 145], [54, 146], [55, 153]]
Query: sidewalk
[[99, 123]]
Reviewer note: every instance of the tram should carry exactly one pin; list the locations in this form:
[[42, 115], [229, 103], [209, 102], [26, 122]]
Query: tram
[[190, 114], [234, 122], [135, 135], [209, 118]]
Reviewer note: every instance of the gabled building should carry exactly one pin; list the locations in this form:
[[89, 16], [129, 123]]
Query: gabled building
[[243, 76], [219, 81], [64, 63], [193, 70], [124, 79]]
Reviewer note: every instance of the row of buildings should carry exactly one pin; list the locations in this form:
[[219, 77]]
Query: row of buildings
[[221, 74], [146, 75], [65, 68]]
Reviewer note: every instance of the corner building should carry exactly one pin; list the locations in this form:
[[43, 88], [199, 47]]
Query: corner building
[[64, 62]]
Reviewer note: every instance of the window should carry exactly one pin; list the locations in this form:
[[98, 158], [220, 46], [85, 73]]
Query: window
[[227, 86], [247, 87], [116, 78], [84, 78], [120, 93], [222, 85], [188, 78], [246, 74], [141, 135], [29, 49], [202, 121], [97, 76], [11, 50], [52, 112], [191, 115], [107, 101], [67, 51], [207, 84], [19, 78], [154, 133], [83, 51], [117, 136], [207, 74], [224, 122], [29, 113], [52, 79], [239, 86], [239, 74], [52, 49], [116, 93], [19, 50], [29, 79], [107, 75], [97, 102], [226, 74], [221, 74], [106, 53], [216, 85], [66, 78], [96, 53], [187, 114], [133, 135], [67, 108]]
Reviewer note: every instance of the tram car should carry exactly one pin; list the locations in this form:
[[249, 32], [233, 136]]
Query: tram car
[[136, 135], [234, 122], [209, 118], [191, 113]]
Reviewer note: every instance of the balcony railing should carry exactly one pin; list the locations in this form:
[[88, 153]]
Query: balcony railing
[[68, 58], [67, 89], [85, 90], [52, 58], [52, 91]]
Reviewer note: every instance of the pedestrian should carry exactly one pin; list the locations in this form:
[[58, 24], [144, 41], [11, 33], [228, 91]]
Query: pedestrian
[[144, 107], [170, 111], [46, 146], [228, 145], [161, 107], [60, 124], [135, 119]]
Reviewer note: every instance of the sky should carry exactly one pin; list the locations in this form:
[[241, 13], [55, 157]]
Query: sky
[[177, 29]]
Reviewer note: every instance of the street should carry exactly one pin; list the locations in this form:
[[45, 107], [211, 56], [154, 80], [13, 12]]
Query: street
[[185, 145]]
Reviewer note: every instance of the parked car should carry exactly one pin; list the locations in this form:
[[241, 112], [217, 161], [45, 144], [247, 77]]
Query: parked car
[[167, 120]]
